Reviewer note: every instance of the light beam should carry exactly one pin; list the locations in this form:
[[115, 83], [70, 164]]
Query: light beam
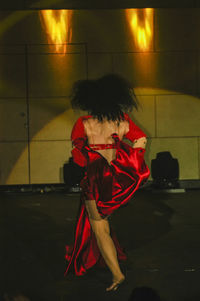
[[57, 24], [141, 24]]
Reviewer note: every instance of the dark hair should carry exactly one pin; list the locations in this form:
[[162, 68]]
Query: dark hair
[[106, 97]]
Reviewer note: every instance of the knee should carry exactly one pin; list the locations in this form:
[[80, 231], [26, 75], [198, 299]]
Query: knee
[[92, 210], [101, 236], [100, 229]]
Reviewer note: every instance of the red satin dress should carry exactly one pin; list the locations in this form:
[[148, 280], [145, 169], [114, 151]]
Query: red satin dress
[[111, 185]]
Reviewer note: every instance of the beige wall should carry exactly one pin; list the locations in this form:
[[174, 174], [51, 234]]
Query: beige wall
[[35, 84]]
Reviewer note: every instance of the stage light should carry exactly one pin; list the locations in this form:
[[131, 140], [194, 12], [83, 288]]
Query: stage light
[[57, 24], [141, 24], [165, 171]]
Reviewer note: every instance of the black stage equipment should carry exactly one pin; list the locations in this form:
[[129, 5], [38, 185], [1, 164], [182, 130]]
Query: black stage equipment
[[73, 173], [165, 171]]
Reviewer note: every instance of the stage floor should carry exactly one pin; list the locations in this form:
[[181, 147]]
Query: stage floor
[[160, 232]]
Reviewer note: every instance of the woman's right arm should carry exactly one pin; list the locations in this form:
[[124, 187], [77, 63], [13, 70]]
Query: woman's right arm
[[78, 130], [78, 138], [135, 134]]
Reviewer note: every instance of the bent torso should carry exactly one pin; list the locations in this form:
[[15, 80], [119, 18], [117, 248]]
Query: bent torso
[[100, 133]]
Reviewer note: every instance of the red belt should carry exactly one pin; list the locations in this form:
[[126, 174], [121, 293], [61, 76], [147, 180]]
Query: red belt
[[102, 146]]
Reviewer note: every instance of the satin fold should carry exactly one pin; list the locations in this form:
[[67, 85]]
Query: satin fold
[[111, 186]]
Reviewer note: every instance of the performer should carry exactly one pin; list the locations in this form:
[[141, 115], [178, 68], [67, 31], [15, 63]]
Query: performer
[[114, 170]]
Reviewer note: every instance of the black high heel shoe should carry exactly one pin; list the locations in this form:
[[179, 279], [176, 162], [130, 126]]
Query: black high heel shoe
[[116, 285]]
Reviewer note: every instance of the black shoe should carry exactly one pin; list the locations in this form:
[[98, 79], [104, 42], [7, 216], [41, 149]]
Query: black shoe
[[115, 285]]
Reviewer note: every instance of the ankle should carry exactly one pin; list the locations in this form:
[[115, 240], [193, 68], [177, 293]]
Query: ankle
[[118, 277]]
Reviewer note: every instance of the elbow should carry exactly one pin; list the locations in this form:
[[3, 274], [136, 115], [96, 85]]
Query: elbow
[[141, 142]]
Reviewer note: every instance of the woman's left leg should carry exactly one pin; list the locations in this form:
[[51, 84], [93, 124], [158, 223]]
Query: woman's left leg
[[105, 243]]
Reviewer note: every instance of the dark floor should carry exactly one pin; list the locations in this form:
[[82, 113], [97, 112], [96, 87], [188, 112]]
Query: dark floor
[[160, 232]]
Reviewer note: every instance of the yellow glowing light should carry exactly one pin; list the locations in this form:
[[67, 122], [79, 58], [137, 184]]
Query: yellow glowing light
[[57, 26], [141, 23]]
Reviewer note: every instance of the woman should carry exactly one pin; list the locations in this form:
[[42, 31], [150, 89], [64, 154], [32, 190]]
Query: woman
[[114, 170]]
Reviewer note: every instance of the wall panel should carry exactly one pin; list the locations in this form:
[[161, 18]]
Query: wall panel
[[198, 72], [199, 156], [178, 115], [13, 163], [47, 159], [12, 75], [48, 118], [158, 73], [52, 75], [99, 64], [177, 29], [13, 116], [51, 119], [145, 116]]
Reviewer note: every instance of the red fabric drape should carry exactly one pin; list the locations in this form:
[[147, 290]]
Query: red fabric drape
[[112, 186]]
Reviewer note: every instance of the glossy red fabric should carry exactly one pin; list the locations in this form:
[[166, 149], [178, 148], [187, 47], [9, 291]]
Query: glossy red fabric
[[78, 132], [102, 146], [112, 186]]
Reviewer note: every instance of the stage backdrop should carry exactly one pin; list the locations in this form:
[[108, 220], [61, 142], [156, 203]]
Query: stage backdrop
[[156, 49]]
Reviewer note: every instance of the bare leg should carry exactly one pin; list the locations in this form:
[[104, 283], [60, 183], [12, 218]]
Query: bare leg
[[105, 243]]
